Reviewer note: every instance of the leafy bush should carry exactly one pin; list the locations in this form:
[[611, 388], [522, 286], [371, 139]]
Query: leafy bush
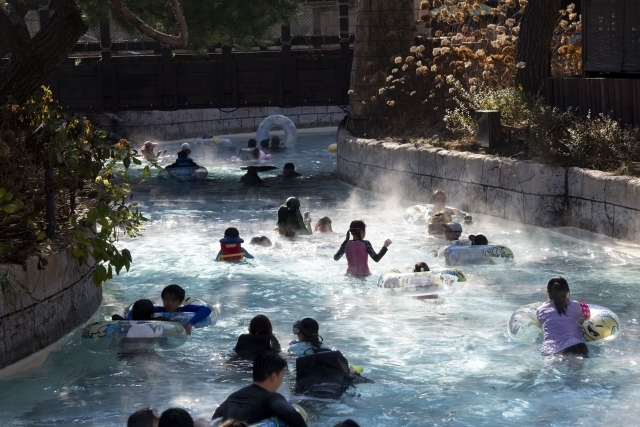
[[89, 179], [551, 135]]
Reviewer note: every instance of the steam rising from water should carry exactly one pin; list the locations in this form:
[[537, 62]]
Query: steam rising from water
[[443, 362]]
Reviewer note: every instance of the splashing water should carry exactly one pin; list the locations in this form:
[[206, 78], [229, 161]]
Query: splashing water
[[442, 362]]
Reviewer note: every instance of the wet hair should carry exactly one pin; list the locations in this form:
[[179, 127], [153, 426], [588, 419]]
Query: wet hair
[[310, 328], [290, 166], [142, 310], [355, 229], [438, 193], [252, 143], [347, 423], [231, 232], [175, 417], [478, 240], [261, 241], [420, 267], [260, 326], [266, 364], [264, 143], [558, 290], [234, 423], [141, 418], [324, 221], [182, 154], [173, 291], [275, 141]]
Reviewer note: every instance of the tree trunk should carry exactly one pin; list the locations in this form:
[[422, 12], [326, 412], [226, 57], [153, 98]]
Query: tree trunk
[[384, 30], [534, 43], [32, 61]]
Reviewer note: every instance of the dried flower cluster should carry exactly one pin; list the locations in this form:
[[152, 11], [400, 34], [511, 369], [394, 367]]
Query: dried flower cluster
[[473, 49]]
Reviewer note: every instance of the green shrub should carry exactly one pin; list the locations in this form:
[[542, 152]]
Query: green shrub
[[90, 183]]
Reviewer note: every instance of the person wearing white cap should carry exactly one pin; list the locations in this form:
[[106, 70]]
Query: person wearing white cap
[[183, 159], [452, 231]]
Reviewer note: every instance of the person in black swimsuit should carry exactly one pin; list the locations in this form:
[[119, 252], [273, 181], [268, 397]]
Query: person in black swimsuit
[[260, 401], [259, 339]]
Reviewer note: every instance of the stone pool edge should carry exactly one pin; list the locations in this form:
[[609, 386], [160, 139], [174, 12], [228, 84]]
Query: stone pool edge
[[525, 191], [51, 296]]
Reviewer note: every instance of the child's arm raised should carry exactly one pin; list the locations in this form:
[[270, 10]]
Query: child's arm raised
[[372, 253]]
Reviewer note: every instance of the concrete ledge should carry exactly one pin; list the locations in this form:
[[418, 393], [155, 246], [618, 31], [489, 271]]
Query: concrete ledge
[[44, 299], [523, 191], [194, 123]]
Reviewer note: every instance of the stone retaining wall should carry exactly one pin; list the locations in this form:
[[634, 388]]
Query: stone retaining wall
[[43, 301], [523, 191], [193, 123]]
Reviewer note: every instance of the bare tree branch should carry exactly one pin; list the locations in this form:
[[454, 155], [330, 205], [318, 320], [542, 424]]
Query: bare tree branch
[[176, 42]]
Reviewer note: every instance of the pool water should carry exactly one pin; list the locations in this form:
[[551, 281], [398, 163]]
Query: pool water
[[444, 362]]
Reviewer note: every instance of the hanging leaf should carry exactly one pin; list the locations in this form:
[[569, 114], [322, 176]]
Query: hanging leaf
[[10, 208]]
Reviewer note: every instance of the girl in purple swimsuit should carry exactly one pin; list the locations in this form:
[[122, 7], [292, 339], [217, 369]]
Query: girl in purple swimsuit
[[561, 318], [358, 250]]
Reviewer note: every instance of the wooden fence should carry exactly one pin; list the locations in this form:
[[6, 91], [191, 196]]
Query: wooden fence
[[618, 98], [295, 71]]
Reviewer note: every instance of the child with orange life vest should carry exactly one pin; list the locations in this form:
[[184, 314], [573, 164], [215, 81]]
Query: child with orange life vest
[[231, 247]]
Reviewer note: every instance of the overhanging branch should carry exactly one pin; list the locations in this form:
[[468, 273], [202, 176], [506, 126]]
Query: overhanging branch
[[176, 42]]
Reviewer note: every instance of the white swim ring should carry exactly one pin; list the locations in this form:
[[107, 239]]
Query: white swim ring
[[278, 121], [435, 282], [130, 336], [603, 325], [475, 255]]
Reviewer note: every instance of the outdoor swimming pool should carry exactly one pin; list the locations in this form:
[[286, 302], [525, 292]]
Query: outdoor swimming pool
[[435, 363]]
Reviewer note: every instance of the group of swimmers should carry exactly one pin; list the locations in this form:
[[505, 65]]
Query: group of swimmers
[[560, 317], [250, 153], [259, 401]]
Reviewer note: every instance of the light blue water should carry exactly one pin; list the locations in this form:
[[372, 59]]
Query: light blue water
[[442, 363]]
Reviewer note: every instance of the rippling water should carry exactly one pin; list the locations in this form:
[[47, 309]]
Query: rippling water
[[444, 362]]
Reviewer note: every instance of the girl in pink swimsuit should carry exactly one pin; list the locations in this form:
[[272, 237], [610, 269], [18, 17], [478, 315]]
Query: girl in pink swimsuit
[[358, 250]]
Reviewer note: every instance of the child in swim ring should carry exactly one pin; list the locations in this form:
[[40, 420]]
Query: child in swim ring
[[172, 299], [358, 250], [560, 318], [439, 201]]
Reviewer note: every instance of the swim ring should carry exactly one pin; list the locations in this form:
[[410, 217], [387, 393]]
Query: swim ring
[[333, 148], [184, 173], [418, 215], [524, 327], [129, 336], [179, 317], [290, 132], [435, 282], [269, 422], [475, 255]]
